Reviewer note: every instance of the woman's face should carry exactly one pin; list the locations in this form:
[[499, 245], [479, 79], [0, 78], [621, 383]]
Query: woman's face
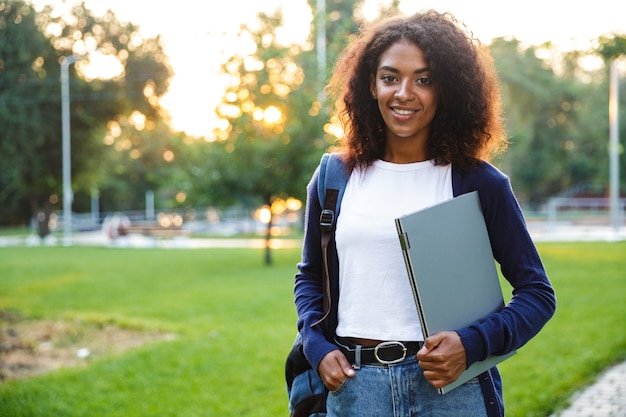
[[407, 97]]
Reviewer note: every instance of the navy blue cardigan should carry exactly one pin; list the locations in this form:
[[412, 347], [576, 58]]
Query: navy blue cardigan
[[533, 300]]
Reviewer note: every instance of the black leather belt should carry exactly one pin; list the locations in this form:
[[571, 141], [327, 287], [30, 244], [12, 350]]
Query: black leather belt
[[386, 353]]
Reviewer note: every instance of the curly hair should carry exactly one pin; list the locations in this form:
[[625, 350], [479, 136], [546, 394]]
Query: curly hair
[[467, 126]]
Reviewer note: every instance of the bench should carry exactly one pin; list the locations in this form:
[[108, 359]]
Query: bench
[[155, 230]]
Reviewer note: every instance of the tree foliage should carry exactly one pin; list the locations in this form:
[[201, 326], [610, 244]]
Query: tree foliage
[[29, 117], [261, 158], [612, 46], [557, 116], [274, 113], [32, 45], [275, 122]]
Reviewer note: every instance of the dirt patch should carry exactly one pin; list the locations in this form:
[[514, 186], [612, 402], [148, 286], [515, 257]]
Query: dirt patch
[[34, 347]]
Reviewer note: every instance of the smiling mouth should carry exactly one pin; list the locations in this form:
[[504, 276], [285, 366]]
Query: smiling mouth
[[403, 112]]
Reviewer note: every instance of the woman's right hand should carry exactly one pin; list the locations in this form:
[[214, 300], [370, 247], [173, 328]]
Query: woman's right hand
[[334, 369]]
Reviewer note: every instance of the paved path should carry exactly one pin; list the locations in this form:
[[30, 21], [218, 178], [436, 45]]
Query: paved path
[[540, 232], [605, 398], [139, 241], [565, 232]]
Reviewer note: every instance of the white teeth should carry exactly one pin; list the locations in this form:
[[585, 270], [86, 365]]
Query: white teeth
[[404, 112]]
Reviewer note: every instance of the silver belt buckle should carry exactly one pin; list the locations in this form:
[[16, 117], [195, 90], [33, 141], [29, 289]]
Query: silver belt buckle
[[386, 345]]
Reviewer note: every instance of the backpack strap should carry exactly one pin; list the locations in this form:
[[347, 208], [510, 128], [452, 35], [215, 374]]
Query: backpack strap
[[332, 176], [331, 185]]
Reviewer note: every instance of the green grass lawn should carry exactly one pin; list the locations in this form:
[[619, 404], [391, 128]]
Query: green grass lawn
[[235, 322]]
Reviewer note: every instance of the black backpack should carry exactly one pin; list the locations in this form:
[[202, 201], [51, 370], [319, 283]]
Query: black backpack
[[307, 393]]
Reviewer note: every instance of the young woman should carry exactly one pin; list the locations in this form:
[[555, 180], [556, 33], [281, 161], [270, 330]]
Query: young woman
[[420, 104]]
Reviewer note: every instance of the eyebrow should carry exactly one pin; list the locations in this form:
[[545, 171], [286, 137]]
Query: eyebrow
[[395, 70]]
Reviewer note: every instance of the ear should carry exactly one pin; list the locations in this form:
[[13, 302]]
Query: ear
[[373, 87]]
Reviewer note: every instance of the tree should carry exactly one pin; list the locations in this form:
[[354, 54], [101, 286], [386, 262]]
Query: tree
[[29, 117], [273, 133], [555, 119], [261, 159], [138, 158], [31, 46]]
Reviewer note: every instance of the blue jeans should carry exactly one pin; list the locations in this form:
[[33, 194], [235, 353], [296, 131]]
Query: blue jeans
[[400, 390]]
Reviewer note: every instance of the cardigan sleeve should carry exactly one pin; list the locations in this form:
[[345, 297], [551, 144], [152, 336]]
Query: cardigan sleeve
[[308, 289], [533, 300]]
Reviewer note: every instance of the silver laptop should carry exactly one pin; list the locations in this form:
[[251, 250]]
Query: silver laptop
[[451, 269]]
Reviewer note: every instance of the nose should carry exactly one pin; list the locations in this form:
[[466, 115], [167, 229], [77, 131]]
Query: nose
[[404, 92]]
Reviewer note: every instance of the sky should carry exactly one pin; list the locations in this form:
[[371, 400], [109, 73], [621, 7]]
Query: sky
[[189, 30]]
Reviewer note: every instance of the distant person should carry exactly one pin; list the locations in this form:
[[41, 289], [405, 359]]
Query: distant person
[[421, 111], [116, 226]]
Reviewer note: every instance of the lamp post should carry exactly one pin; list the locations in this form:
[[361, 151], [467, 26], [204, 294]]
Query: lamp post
[[616, 210], [68, 195]]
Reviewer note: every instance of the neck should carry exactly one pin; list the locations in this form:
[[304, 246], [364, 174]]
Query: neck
[[405, 151]]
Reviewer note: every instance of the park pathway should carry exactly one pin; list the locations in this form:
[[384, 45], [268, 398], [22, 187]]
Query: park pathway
[[604, 398]]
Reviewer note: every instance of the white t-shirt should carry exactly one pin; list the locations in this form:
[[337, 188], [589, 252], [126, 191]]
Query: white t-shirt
[[375, 297]]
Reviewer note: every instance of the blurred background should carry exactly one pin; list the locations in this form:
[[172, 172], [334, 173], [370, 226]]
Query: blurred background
[[189, 119]]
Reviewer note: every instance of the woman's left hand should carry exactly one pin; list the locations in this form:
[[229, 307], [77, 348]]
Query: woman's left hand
[[442, 358]]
